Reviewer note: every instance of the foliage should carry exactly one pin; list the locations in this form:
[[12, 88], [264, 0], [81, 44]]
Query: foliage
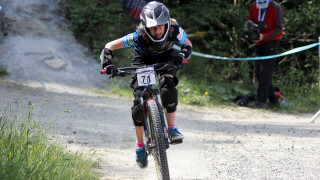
[[28, 152], [215, 27], [3, 71], [205, 93], [96, 22]]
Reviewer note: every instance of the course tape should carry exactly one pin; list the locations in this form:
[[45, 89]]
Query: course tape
[[292, 51]]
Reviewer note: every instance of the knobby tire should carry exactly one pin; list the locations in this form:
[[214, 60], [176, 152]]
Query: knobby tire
[[159, 152]]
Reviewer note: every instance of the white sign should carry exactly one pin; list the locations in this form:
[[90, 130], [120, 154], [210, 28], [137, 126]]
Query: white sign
[[146, 76]]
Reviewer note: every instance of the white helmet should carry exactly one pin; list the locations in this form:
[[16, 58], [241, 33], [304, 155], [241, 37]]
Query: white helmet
[[155, 14]]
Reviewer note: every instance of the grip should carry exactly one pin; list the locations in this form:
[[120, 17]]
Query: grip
[[184, 61], [103, 71]]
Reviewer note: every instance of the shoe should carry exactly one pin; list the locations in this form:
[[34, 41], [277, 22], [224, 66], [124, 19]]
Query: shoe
[[141, 157], [257, 104], [175, 136]]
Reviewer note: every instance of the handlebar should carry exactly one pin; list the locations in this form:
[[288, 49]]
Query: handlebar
[[158, 66]]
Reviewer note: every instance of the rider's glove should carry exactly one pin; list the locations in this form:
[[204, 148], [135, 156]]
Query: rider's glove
[[187, 51], [111, 69], [183, 56], [105, 60], [178, 59]]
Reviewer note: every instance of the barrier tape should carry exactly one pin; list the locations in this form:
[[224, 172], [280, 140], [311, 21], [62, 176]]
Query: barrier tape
[[292, 51]]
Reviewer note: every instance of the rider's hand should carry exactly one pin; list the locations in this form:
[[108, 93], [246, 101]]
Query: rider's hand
[[260, 38], [105, 57], [178, 59], [183, 56], [111, 69]]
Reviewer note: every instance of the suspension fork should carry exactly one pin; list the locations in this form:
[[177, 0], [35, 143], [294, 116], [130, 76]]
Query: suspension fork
[[162, 117], [147, 131]]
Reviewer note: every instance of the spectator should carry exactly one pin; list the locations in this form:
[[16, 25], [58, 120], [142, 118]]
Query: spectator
[[266, 16]]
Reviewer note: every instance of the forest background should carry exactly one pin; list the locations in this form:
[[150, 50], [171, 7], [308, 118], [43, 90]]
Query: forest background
[[215, 27]]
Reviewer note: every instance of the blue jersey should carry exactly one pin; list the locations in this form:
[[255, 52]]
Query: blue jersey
[[142, 43]]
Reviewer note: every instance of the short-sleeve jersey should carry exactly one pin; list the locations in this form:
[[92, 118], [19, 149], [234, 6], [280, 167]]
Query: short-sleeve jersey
[[143, 45]]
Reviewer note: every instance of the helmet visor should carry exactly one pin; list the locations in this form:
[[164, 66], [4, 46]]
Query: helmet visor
[[155, 17]]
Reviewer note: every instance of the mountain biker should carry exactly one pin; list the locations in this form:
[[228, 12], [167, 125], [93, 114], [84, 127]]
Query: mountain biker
[[153, 43]]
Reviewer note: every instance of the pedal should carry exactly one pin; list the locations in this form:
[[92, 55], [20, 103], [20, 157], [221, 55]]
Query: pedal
[[178, 141]]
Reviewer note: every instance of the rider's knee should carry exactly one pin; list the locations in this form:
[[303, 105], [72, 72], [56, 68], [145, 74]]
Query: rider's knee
[[137, 114], [169, 94]]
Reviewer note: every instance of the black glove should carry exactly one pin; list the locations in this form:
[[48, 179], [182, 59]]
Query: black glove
[[111, 69], [178, 59], [105, 61], [187, 51]]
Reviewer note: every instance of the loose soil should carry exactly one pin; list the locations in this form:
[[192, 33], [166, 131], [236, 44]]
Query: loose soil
[[47, 64], [220, 142]]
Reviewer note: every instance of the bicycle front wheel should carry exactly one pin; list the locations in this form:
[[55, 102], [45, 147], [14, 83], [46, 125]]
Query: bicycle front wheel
[[157, 138]]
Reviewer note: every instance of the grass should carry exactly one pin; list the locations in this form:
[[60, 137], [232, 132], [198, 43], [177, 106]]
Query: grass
[[3, 71], [28, 152], [209, 94]]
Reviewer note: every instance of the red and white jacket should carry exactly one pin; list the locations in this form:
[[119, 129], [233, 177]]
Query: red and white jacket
[[273, 20]]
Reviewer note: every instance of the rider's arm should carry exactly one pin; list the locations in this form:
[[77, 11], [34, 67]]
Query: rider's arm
[[187, 42], [130, 40], [183, 40], [116, 44]]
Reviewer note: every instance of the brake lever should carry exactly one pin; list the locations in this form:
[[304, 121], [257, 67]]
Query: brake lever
[[165, 66], [114, 73], [122, 73]]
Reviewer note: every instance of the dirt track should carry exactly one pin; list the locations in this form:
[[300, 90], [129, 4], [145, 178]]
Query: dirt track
[[221, 142], [40, 52]]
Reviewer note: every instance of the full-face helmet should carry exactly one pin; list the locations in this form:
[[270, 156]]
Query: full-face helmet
[[155, 14]]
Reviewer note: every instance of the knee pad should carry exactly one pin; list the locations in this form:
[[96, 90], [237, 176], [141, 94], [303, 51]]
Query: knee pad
[[169, 94], [136, 114]]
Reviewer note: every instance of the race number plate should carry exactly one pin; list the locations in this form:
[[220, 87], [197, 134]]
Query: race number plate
[[146, 76]]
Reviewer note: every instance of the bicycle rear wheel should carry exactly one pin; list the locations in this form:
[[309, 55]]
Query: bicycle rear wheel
[[157, 138]]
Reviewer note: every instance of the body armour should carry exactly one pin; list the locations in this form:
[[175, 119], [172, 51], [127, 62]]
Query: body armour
[[150, 47]]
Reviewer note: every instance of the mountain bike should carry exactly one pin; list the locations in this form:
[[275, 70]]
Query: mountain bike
[[155, 126]]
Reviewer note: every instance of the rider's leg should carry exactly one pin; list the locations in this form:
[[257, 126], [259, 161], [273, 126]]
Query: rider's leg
[[171, 117], [169, 97], [139, 133], [141, 155]]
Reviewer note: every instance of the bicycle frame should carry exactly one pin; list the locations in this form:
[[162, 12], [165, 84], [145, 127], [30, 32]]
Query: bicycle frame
[[148, 94], [155, 124]]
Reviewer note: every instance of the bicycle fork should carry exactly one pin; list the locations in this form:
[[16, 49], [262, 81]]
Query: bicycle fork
[[147, 124], [147, 132], [163, 118]]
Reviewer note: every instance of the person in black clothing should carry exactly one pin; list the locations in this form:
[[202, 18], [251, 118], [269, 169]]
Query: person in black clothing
[[153, 43], [267, 17]]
